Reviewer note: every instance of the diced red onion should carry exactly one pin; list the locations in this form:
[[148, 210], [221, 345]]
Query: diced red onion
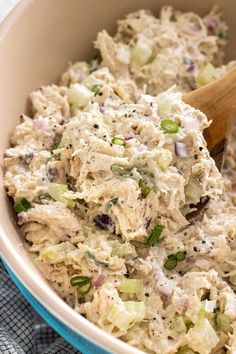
[[141, 148], [80, 75], [190, 259], [191, 123], [163, 285], [128, 137], [102, 109], [181, 149], [191, 68], [183, 304], [22, 218], [53, 171], [213, 25], [40, 123], [99, 281]]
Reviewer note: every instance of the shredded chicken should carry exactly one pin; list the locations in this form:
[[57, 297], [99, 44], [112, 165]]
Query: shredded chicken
[[105, 173]]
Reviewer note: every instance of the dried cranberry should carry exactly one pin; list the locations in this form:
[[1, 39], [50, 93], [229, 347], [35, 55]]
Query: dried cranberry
[[103, 221]]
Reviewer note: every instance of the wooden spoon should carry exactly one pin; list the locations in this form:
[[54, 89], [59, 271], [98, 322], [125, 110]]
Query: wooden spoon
[[218, 101]]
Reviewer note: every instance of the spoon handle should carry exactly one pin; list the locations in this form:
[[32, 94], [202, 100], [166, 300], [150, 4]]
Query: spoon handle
[[218, 101]]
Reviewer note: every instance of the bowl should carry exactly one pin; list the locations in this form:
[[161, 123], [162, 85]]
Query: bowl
[[37, 41]]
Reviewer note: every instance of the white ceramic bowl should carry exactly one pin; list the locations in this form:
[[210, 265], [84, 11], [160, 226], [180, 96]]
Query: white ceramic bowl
[[37, 41]]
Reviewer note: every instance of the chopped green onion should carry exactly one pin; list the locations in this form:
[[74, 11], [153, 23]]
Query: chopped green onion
[[172, 259], [118, 141], [169, 126], [155, 235], [22, 205], [170, 263], [83, 284], [112, 202], [187, 60], [95, 89], [119, 171], [99, 263], [145, 190], [180, 256]]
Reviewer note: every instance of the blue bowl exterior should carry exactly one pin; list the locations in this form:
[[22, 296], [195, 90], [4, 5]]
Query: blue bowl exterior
[[79, 342]]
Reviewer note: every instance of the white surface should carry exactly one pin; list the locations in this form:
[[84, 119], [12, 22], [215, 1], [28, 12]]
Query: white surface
[[5, 7]]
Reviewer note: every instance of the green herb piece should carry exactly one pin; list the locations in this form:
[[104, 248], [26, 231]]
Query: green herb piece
[[223, 34], [73, 111], [118, 141], [145, 190], [154, 236], [187, 60], [172, 260], [55, 146], [22, 205], [99, 263], [119, 171], [141, 171], [96, 89], [170, 263], [180, 256], [169, 126], [112, 202], [45, 196], [82, 283]]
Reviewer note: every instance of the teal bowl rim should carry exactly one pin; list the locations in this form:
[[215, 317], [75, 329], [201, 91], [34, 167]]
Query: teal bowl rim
[[77, 341]]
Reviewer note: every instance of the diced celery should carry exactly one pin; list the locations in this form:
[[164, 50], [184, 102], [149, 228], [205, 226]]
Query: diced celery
[[137, 309], [164, 108], [205, 75], [232, 279], [142, 51], [178, 325], [119, 317], [202, 337], [193, 191], [131, 286], [208, 306], [73, 110], [124, 317], [223, 322], [164, 158], [185, 350], [78, 95], [121, 249], [56, 191], [56, 253], [92, 81]]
